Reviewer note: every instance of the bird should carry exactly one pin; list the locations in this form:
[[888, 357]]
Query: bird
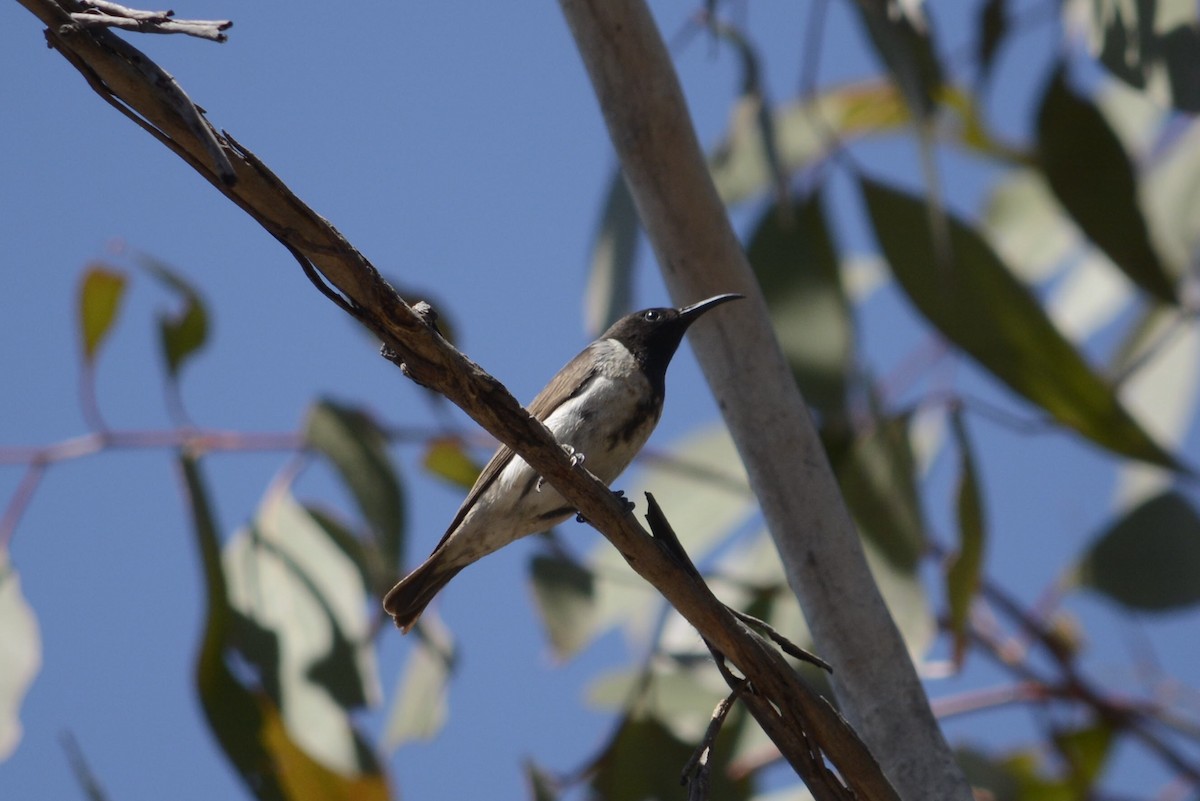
[[601, 407]]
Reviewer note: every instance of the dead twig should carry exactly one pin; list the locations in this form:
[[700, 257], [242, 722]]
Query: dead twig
[[103, 14]]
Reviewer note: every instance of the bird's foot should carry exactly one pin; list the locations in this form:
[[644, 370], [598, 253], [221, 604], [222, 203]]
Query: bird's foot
[[577, 457], [576, 460], [629, 505]]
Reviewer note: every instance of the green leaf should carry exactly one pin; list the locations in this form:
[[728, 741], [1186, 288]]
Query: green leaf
[[702, 486], [183, 333], [905, 46], [1086, 751], [1092, 176], [966, 566], [988, 775], [357, 448], [1149, 559], [249, 724], [542, 785], [793, 255], [446, 458], [20, 654], [300, 618], [100, 295], [614, 255], [988, 313], [564, 593], [643, 761], [877, 475], [993, 28], [233, 712], [421, 704], [680, 692], [1151, 46]]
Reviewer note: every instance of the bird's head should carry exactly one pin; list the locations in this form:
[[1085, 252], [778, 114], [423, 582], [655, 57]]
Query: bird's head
[[653, 335]]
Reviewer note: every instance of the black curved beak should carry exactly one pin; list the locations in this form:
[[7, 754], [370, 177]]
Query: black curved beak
[[689, 314]]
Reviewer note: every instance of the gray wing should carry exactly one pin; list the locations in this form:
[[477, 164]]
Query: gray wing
[[556, 393]]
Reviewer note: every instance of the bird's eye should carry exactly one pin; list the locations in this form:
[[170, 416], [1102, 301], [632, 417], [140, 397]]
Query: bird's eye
[[651, 315]]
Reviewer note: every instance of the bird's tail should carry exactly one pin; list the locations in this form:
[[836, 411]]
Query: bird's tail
[[407, 600]]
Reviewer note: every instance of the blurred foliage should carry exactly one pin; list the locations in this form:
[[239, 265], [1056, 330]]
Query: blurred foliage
[[1085, 234]]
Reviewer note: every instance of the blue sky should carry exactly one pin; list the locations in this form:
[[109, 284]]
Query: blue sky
[[460, 148]]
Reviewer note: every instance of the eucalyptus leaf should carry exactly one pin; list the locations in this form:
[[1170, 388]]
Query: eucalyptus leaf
[[794, 258], [965, 567], [993, 28], [446, 458], [1149, 559], [564, 592], [1093, 177], [185, 332], [643, 760], [100, 295], [421, 706], [20, 653], [247, 723], [1153, 47], [986, 311], [702, 487], [357, 448], [877, 473], [904, 43], [614, 255], [288, 580]]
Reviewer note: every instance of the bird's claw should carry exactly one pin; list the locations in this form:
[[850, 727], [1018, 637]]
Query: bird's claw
[[628, 504], [576, 460]]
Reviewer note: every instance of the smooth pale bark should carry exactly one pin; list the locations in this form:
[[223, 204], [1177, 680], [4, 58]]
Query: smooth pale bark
[[699, 255]]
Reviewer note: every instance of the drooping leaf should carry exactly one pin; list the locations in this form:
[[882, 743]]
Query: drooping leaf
[[376, 572], [564, 593], [1027, 226], [984, 310], [793, 255], [753, 105], [20, 654], [1086, 751], [702, 486], [357, 448], [614, 254], [542, 786], [1149, 559], [965, 567], [1093, 178], [446, 458], [245, 721], [1158, 364], [907, 600], [304, 778], [877, 474], [1154, 47], [421, 704], [643, 761], [184, 332], [904, 43], [100, 294], [232, 710], [1170, 194], [807, 131], [677, 692], [258, 737], [295, 591], [993, 27]]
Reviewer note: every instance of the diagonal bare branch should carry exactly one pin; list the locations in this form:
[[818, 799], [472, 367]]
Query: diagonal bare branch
[[808, 731]]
